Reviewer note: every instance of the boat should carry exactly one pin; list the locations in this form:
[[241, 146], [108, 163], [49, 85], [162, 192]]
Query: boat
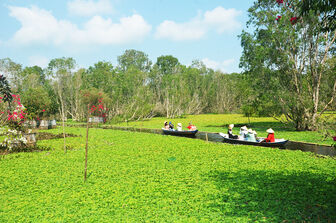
[[277, 143], [190, 134]]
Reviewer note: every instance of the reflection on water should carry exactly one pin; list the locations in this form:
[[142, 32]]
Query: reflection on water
[[309, 147]]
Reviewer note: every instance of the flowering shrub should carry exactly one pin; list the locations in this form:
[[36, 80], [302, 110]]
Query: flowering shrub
[[14, 128], [12, 118], [99, 109], [17, 117], [97, 102]]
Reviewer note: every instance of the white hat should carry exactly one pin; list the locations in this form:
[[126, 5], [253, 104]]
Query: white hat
[[231, 126], [250, 131], [244, 128], [179, 124], [254, 132], [269, 130]]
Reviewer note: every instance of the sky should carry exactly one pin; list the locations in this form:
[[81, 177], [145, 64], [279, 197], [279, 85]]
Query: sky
[[35, 31]]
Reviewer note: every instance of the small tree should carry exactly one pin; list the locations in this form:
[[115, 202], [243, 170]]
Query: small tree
[[37, 102]]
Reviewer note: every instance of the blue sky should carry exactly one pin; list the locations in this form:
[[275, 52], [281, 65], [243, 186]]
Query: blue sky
[[35, 31]]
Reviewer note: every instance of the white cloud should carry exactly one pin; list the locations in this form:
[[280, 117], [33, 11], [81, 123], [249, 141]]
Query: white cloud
[[40, 26], [183, 31], [90, 7], [222, 19], [219, 19], [40, 61], [224, 66]]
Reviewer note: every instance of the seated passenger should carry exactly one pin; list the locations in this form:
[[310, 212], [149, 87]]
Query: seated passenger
[[166, 126], [270, 136], [230, 133], [191, 127], [171, 126], [179, 127], [250, 136], [243, 133]]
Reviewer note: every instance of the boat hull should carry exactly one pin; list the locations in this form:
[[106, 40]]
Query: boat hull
[[189, 134], [278, 143]]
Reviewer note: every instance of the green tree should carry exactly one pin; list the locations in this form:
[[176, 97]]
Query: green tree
[[60, 70], [134, 59], [12, 70], [37, 102], [167, 64], [285, 59]]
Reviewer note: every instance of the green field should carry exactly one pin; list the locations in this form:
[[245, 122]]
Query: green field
[[140, 177], [219, 123]]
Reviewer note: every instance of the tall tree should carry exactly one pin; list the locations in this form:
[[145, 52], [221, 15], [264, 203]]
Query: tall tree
[[285, 59], [60, 70], [134, 59], [12, 70], [167, 64]]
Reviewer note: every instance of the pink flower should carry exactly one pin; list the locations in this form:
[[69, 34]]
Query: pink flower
[[43, 110], [334, 138], [279, 1]]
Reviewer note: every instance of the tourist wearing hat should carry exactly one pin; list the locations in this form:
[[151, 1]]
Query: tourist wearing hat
[[179, 127], [243, 132], [270, 136], [250, 136], [230, 133], [171, 126]]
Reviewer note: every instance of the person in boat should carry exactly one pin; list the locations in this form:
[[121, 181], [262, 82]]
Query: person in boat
[[243, 133], [191, 127], [166, 126], [179, 127], [250, 136], [230, 133], [270, 136], [171, 126]]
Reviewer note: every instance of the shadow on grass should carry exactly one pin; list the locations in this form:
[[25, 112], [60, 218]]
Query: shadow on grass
[[275, 197]]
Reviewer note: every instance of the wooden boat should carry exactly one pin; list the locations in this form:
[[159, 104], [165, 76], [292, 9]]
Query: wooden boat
[[277, 143], [190, 134]]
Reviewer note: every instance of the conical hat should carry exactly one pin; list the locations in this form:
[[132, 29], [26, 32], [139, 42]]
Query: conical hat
[[269, 130]]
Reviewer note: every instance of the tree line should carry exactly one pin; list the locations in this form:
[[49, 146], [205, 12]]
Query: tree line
[[135, 88]]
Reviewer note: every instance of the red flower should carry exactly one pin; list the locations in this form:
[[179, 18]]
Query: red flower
[[334, 138], [293, 20], [43, 110], [279, 1]]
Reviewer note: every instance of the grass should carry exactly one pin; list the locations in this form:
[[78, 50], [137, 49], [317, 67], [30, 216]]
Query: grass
[[219, 123], [139, 177]]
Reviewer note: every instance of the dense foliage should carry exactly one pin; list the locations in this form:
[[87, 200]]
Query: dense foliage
[[136, 88], [145, 177], [289, 61]]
